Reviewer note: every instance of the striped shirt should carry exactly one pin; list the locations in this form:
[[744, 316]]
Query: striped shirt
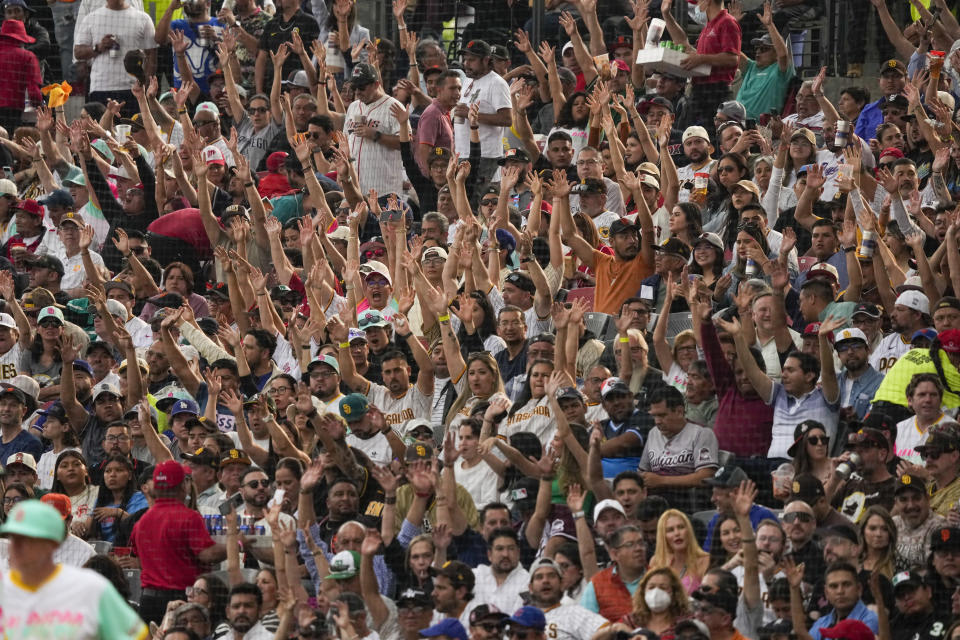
[[789, 410]]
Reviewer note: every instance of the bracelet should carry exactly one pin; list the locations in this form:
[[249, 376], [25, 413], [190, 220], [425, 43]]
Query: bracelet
[[181, 110], [306, 491], [306, 346], [405, 336], [849, 249], [444, 318], [344, 345], [624, 340], [401, 27], [248, 184], [576, 515], [390, 500], [747, 540]]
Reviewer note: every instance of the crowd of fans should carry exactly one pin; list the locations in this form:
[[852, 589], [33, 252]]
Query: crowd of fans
[[310, 331]]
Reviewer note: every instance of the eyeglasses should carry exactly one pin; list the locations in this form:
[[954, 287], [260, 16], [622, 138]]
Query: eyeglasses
[[322, 375], [195, 591], [315, 135], [275, 390], [46, 324], [842, 348], [253, 484], [116, 438], [630, 544], [411, 610], [792, 517], [12, 500], [489, 202], [824, 440], [259, 109]]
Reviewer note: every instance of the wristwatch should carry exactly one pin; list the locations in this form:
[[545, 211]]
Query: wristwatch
[[376, 136]]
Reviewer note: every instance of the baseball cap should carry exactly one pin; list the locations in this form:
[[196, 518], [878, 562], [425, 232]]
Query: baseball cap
[[46, 262], [763, 41], [699, 629], [434, 252], [209, 107], [184, 406], [363, 74], [297, 78], [867, 309], [418, 596], [658, 101], [56, 198], [275, 160], [449, 627], [812, 329], [674, 246], [418, 451], [168, 474], [34, 519], [328, 360], [907, 482], [569, 393], [499, 52], [895, 66], [897, 101], [24, 459], [623, 225], [459, 574], [521, 281], [608, 503], [880, 421], [848, 629], [417, 423], [927, 334], [6, 320], [823, 271], [849, 334], [941, 438], [116, 308], [845, 531], [344, 565], [60, 502], [808, 488], [10, 390], [945, 539], [908, 578], [710, 238], [544, 563], [613, 385], [748, 185], [529, 617], [486, 612], [914, 300], [950, 340], [806, 134], [516, 154], [727, 477], [868, 435], [591, 186], [695, 131], [353, 407], [734, 110], [203, 457], [234, 456], [213, 155], [477, 48]]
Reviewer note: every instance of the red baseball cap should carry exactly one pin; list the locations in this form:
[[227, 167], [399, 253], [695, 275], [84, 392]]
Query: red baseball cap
[[275, 160], [891, 152], [848, 629], [31, 206], [60, 502], [950, 340], [168, 475]]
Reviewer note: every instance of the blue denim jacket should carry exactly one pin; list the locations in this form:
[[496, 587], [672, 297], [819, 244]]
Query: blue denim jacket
[[863, 389]]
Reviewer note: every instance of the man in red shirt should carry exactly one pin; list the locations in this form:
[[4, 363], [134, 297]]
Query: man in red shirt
[[172, 543], [19, 73], [717, 46], [435, 130]]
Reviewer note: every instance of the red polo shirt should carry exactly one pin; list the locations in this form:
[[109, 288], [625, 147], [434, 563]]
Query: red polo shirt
[[167, 540], [721, 35]]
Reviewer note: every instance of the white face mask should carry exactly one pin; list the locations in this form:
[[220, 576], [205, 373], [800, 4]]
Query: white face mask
[[657, 599], [700, 16]]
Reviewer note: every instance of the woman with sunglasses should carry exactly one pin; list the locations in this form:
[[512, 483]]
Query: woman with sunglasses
[[677, 549], [42, 361], [879, 534], [810, 451], [731, 168], [117, 497], [14, 493], [71, 479]]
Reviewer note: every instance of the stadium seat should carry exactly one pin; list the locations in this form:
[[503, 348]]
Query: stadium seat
[[583, 293]]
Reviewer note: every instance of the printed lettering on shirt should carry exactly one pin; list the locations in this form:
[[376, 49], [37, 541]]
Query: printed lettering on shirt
[[374, 509], [884, 364], [398, 418], [226, 422], [519, 417]]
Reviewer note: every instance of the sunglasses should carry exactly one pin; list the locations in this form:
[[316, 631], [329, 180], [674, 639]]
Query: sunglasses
[[253, 484], [46, 324], [843, 348], [203, 123], [374, 253], [489, 202], [377, 282], [489, 627], [931, 454], [824, 440], [726, 169], [315, 135], [805, 518]]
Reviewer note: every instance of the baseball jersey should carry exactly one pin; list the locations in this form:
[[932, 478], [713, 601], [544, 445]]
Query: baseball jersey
[[534, 417], [378, 167], [73, 272], [690, 450], [910, 436], [10, 362], [398, 411], [572, 622], [888, 352], [492, 93], [603, 222], [686, 174], [73, 603]]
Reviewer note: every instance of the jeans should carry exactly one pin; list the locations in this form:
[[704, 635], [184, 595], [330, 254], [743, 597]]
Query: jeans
[[64, 23]]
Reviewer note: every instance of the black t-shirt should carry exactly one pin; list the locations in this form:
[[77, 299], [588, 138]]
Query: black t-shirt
[[276, 32], [856, 495], [925, 626]]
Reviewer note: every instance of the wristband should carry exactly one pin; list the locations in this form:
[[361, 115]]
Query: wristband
[[248, 184], [344, 345], [390, 500], [577, 514], [624, 340], [305, 346], [401, 27], [181, 110], [849, 249], [444, 318], [405, 336], [475, 128]]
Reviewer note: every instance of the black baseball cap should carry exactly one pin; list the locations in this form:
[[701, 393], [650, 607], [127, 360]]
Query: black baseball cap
[[623, 225], [808, 488], [477, 48], [516, 154], [674, 246], [521, 281]]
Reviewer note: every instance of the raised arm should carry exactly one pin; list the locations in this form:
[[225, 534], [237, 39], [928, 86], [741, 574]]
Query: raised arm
[[758, 378]]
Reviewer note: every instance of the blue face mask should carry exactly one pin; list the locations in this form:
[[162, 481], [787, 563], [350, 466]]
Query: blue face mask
[[699, 16]]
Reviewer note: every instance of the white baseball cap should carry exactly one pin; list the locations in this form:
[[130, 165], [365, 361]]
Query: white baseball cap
[[6, 320], [914, 300], [695, 131], [609, 503], [850, 334], [25, 459]]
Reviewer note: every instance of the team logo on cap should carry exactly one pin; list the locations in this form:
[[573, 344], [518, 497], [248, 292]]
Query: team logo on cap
[[945, 535], [906, 480], [346, 409], [796, 487], [421, 451]]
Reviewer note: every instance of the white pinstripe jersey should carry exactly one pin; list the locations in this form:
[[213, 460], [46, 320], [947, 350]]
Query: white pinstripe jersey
[[378, 167], [571, 622]]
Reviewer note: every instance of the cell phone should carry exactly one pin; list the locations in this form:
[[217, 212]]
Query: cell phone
[[750, 124], [277, 497], [232, 504], [8, 173], [267, 204]]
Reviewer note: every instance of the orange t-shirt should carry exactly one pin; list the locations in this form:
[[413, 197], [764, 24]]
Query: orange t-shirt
[[617, 280]]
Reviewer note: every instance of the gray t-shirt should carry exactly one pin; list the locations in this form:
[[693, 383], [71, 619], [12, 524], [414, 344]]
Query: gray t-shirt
[[690, 450], [253, 144]]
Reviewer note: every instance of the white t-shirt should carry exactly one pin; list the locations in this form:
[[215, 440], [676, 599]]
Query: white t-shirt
[[535, 417], [888, 352], [603, 222], [480, 480], [377, 448], [492, 93], [73, 603], [140, 331], [378, 167], [132, 28]]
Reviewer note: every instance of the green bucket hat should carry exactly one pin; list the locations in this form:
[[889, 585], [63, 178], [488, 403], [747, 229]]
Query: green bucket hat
[[344, 565], [34, 519]]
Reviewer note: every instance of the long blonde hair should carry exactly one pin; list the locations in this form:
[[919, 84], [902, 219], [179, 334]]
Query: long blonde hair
[[679, 600], [487, 358], [663, 556]]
